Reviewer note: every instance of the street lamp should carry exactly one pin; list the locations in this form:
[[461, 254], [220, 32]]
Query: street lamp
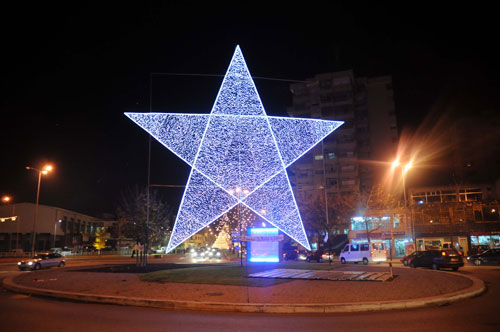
[[44, 171], [6, 199], [55, 232], [404, 170]]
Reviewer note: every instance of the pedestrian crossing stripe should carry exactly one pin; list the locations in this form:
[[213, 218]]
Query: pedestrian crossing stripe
[[322, 275]]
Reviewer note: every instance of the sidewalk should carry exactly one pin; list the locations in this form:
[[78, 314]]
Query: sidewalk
[[411, 288]]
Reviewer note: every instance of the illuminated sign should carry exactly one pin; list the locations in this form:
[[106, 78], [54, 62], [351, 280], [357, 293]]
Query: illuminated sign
[[266, 248]]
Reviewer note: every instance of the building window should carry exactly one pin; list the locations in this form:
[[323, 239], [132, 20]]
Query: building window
[[331, 181], [318, 157], [331, 155], [395, 221], [348, 183], [348, 168]]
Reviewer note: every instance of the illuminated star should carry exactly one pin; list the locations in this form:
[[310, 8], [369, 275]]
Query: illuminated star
[[238, 155]]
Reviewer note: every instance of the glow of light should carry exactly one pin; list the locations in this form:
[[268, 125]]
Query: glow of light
[[44, 172], [6, 199], [395, 163], [261, 231], [264, 260], [48, 168], [408, 166], [238, 155]]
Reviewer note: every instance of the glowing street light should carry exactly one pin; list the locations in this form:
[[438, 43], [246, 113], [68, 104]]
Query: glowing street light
[[45, 170], [6, 199], [404, 170], [407, 166], [395, 163]]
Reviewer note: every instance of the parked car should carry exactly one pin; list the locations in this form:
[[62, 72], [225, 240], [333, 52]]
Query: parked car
[[66, 251], [406, 260], [328, 255], [291, 255], [88, 248], [437, 259], [363, 252], [315, 256], [161, 250], [478, 249], [41, 261], [491, 256], [303, 255]]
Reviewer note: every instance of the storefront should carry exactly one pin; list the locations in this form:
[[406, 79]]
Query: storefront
[[430, 243], [491, 239], [400, 241]]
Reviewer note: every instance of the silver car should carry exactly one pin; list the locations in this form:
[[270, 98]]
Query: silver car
[[41, 261]]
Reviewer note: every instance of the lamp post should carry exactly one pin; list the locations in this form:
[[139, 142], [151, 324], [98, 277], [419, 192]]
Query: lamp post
[[43, 171], [6, 199], [404, 170], [55, 232], [238, 192]]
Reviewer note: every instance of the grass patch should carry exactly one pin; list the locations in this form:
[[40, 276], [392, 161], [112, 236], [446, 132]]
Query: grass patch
[[231, 274]]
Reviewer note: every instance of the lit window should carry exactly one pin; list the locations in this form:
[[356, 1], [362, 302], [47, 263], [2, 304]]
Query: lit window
[[318, 157]]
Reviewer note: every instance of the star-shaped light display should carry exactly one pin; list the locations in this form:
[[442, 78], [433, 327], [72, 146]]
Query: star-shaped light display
[[238, 155]]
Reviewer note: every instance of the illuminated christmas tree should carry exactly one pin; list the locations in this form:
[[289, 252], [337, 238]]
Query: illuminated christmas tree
[[223, 240]]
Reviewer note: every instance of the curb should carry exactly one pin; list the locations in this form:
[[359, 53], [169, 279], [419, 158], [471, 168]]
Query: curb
[[476, 289]]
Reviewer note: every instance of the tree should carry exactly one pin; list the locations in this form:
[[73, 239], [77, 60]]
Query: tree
[[376, 204], [239, 216], [340, 209], [132, 215]]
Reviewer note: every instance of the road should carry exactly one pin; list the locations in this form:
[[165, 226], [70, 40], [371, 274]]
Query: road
[[20, 312]]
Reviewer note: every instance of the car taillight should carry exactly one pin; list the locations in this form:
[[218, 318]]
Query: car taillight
[[371, 253]]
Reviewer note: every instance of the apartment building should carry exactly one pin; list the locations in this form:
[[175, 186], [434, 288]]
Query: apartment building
[[348, 160]]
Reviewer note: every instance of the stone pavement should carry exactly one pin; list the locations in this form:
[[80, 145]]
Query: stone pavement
[[412, 288]]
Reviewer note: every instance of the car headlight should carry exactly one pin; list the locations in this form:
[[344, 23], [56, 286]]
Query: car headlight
[[218, 254], [18, 263], [30, 263]]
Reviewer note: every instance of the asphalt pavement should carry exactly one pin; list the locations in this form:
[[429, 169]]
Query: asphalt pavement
[[412, 288]]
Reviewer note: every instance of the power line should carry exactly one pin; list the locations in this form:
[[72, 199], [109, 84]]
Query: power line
[[216, 75]]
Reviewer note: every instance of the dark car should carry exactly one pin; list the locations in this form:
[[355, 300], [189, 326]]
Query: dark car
[[315, 256], [437, 259], [491, 256], [291, 255], [406, 260], [478, 249]]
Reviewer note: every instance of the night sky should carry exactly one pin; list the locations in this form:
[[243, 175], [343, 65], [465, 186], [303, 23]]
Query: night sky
[[69, 72]]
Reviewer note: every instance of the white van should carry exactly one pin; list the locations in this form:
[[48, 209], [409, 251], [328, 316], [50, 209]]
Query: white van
[[363, 252]]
